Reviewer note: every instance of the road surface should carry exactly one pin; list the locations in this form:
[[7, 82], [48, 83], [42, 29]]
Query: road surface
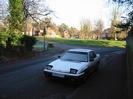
[[28, 82]]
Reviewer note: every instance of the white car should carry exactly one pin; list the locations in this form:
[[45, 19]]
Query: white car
[[74, 64]]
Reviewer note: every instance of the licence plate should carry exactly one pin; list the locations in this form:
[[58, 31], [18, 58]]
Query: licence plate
[[58, 75]]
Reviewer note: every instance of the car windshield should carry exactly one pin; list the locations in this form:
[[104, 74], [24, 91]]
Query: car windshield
[[75, 56]]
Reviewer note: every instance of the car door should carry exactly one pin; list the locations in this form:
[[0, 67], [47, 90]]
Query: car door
[[91, 62]]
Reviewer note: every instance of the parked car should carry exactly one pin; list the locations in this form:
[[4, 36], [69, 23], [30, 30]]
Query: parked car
[[73, 64]]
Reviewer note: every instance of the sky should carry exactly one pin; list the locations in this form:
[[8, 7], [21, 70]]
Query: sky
[[72, 12]]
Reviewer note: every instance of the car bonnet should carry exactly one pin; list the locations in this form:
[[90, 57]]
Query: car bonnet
[[65, 66]]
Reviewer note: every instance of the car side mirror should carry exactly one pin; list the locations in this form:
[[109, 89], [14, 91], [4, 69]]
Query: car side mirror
[[59, 56]]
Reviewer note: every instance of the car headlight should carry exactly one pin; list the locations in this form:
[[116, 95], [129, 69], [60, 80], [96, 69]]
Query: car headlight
[[73, 71], [49, 67]]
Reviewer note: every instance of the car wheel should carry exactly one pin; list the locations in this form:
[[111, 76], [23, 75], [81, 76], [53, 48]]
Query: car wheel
[[48, 77], [84, 77]]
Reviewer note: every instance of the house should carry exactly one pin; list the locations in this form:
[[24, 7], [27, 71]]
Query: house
[[1, 24], [66, 34], [106, 34]]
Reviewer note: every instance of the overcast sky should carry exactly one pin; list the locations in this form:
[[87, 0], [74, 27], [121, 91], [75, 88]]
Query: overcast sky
[[72, 12]]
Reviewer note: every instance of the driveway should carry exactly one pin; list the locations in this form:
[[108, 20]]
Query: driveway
[[28, 82]]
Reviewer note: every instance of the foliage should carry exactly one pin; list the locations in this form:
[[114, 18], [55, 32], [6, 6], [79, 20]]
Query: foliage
[[115, 20], [28, 42], [74, 33], [63, 27], [85, 28], [8, 42], [15, 39], [3, 39], [129, 20], [122, 35], [128, 2], [19, 15], [2, 28], [16, 16]]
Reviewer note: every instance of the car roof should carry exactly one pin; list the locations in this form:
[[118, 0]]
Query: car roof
[[80, 50]]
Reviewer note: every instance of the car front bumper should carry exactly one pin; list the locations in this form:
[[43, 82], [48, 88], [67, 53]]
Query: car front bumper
[[49, 73]]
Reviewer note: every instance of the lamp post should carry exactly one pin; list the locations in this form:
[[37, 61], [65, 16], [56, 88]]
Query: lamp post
[[44, 34]]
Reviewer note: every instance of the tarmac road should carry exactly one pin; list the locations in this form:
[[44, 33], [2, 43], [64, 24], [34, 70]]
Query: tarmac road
[[28, 82]]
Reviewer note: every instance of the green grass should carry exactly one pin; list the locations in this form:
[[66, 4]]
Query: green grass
[[101, 43]]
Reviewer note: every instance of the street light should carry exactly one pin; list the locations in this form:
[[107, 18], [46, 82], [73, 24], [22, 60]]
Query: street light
[[44, 33]]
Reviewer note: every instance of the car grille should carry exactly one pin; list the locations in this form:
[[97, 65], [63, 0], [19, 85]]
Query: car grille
[[60, 71]]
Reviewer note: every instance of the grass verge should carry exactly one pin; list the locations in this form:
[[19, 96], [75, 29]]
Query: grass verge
[[101, 43]]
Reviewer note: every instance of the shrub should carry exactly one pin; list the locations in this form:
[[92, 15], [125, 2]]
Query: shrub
[[3, 38], [27, 42], [121, 36], [13, 40]]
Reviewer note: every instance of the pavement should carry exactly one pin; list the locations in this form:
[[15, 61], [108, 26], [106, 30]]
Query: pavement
[[18, 64], [25, 80]]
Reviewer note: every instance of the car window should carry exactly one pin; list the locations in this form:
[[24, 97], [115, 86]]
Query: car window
[[75, 56], [92, 54]]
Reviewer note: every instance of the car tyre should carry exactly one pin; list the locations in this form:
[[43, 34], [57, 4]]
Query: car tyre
[[84, 78], [48, 77]]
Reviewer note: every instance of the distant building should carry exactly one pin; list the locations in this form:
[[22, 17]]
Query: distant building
[[51, 32], [66, 34], [106, 34], [76, 35], [1, 24], [94, 36], [28, 27]]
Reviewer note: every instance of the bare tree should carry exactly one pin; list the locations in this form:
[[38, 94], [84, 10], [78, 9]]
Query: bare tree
[[128, 5], [63, 27], [85, 29], [73, 32], [114, 22], [36, 9], [99, 28]]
